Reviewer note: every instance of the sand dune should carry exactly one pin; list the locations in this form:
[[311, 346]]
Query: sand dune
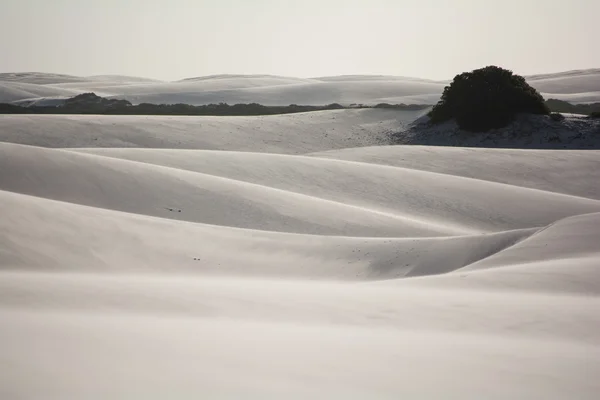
[[74, 238], [288, 134], [140, 188], [564, 171], [575, 86], [462, 203], [202, 87], [40, 78], [311, 93], [13, 91], [566, 239], [568, 82], [291, 255], [560, 259]]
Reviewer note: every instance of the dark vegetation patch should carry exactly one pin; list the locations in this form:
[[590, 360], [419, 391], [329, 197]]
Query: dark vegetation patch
[[487, 98], [90, 103]]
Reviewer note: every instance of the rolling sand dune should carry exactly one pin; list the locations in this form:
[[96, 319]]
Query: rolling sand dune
[[292, 256], [459, 202], [578, 81], [289, 134], [317, 93], [564, 171], [40, 78], [130, 243], [575, 86], [13, 91]]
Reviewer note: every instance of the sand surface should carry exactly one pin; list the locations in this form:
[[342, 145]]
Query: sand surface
[[291, 257]]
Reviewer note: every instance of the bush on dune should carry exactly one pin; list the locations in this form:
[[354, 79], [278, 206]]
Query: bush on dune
[[487, 98]]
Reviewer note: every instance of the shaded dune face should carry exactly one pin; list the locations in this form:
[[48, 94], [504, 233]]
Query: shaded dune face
[[220, 257]]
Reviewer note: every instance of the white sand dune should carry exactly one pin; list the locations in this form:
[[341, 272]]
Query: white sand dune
[[581, 86], [124, 79], [72, 239], [289, 134], [362, 78], [457, 202], [232, 81], [564, 171], [151, 190], [40, 78], [578, 81], [311, 93], [583, 97], [269, 257], [13, 91], [560, 259], [277, 90]]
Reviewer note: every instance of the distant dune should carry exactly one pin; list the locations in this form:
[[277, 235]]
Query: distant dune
[[40, 78], [15, 91], [575, 86], [582, 86]]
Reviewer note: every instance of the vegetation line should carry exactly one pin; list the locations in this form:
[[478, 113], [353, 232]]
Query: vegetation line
[[90, 103]]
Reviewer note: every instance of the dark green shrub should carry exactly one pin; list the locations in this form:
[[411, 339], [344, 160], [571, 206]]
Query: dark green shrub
[[487, 98], [557, 117], [594, 115], [90, 103]]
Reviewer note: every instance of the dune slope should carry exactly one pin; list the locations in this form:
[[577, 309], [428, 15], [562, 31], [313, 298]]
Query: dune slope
[[287, 134], [269, 257]]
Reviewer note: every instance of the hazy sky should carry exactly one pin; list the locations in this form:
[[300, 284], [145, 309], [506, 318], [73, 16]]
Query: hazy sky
[[183, 38]]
